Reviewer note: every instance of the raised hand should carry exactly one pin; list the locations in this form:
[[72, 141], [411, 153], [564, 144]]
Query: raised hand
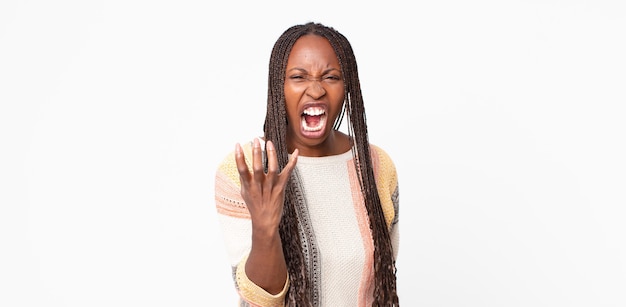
[[264, 193]]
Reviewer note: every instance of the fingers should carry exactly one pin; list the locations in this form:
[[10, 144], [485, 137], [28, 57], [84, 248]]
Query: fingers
[[257, 161], [286, 172], [240, 159], [258, 172], [272, 158], [292, 162], [272, 161]]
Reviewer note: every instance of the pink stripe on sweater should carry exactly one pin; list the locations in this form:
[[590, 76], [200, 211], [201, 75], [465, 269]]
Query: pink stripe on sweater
[[228, 198], [367, 276]]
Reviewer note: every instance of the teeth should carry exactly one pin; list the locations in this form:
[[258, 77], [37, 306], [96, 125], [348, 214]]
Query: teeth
[[313, 111], [317, 127]]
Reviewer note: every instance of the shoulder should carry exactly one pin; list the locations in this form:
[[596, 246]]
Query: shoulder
[[381, 158], [378, 150], [384, 167], [386, 183], [228, 166]]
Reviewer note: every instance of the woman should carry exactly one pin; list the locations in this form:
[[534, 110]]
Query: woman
[[319, 226]]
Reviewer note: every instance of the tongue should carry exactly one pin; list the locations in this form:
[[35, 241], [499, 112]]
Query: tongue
[[312, 121]]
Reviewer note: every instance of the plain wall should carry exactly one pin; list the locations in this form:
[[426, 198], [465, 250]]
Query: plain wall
[[505, 120]]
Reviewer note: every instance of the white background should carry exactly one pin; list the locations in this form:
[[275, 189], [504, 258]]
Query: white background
[[505, 120]]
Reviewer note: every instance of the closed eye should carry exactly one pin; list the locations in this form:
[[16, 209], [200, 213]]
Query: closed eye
[[297, 78]]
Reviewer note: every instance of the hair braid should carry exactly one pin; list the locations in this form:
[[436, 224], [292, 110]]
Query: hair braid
[[275, 127]]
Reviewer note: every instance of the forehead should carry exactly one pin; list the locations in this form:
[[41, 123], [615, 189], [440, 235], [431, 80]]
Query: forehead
[[312, 48]]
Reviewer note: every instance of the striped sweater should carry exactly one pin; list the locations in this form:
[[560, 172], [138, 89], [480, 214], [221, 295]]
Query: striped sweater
[[335, 227]]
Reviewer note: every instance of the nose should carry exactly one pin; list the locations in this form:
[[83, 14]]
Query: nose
[[315, 89]]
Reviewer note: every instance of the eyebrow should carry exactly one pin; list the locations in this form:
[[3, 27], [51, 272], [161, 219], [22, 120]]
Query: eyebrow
[[323, 72]]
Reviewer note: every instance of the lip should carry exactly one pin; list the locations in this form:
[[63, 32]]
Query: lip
[[315, 134], [317, 104]]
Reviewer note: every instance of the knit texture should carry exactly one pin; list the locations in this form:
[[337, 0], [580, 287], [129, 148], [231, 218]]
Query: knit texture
[[335, 223]]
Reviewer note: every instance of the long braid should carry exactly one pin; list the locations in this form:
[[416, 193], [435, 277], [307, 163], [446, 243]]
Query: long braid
[[275, 127], [275, 130]]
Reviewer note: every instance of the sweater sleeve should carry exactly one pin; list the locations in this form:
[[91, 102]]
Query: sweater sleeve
[[387, 185], [236, 228], [255, 295]]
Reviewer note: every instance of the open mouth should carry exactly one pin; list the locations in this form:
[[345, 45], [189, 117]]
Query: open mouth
[[313, 119]]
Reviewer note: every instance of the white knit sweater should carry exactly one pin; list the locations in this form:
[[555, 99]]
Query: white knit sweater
[[339, 227]]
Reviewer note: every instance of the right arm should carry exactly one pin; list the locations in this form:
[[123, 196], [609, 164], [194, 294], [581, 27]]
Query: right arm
[[264, 194], [249, 203]]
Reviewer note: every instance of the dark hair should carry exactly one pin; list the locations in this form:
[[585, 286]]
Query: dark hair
[[301, 293]]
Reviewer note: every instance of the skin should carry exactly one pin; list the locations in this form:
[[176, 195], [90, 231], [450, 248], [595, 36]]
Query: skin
[[313, 77]]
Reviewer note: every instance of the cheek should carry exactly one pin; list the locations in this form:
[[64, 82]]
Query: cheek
[[292, 97], [290, 94], [338, 95]]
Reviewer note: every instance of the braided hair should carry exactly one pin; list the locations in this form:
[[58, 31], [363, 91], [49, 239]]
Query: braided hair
[[275, 127]]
